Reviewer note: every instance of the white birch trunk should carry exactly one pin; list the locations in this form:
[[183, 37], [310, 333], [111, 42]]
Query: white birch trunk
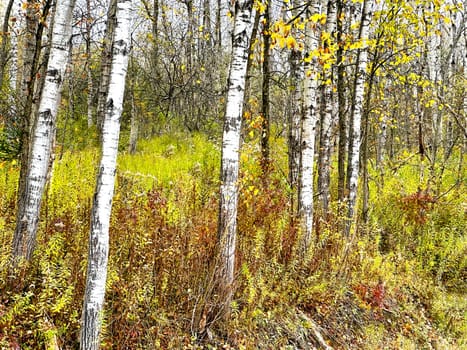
[[294, 133], [433, 64], [382, 140], [14, 46], [88, 63], [134, 123], [309, 121], [327, 119], [100, 217], [44, 132], [243, 26], [355, 137]]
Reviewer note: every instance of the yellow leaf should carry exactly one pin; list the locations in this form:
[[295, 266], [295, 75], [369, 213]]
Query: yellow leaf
[[325, 36], [315, 17], [290, 41]]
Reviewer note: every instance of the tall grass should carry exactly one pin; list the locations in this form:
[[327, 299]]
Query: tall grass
[[399, 283]]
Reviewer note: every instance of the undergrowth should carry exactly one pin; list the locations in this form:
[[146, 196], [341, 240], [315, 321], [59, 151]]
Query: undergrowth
[[398, 283]]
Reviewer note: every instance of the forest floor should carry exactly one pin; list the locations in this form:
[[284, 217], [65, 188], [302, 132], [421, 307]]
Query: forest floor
[[398, 282]]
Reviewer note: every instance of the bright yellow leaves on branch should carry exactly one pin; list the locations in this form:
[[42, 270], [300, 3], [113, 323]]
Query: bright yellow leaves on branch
[[281, 35], [318, 18], [261, 6]]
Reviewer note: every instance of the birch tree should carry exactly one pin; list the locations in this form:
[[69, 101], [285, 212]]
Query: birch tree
[[295, 113], [90, 86], [327, 118], [102, 205], [265, 106], [227, 231], [341, 101], [4, 35], [106, 59], [43, 133], [355, 132], [309, 120]]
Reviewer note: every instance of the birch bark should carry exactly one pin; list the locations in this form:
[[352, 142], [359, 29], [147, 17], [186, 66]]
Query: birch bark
[[102, 205], [341, 102], [227, 231], [88, 64], [324, 176], [24, 91], [43, 133], [295, 114], [265, 107], [105, 64], [309, 121], [355, 132]]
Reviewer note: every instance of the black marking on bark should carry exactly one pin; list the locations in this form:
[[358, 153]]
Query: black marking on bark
[[110, 103], [55, 75], [46, 115], [121, 47]]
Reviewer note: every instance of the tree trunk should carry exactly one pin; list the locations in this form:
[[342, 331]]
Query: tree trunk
[[327, 120], [309, 121], [134, 121], [254, 34], [207, 41], [43, 134], [265, 106], [294, 134], [4, 35], [382, 140], [102, 205], [106, 60], [227, 232], [355, 132], [341, 101], [294, 117], [88, 64], [25, 91], [218, 26]]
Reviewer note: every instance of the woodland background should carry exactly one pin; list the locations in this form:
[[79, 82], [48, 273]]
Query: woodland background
[[392, 275]]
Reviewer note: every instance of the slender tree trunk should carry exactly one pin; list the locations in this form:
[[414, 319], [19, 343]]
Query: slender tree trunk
[[155, 31], [265, 107], [134, 126], [327, 120], [243, 25], [294, 133], [106, 60], [355, 132], [382, 140], [207, 41], [295, 116], [43, 134], [102, 205], [88, 64], [254, 34], [25, 91], [433, 74], [341, 101], [218, 26], [309, 121], [134, 122], [5, 39]]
